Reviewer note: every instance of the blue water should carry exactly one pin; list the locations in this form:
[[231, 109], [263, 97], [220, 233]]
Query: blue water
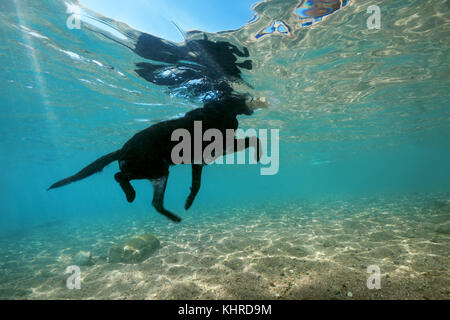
[[362, 114]]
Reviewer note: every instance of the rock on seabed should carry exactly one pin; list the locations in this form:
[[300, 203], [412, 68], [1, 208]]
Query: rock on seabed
[[135, 249], [83, 258]]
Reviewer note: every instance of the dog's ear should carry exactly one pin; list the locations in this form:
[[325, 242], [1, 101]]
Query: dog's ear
[[247, 102]]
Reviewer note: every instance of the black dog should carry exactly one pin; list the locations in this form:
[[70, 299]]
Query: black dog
[[147, 155]]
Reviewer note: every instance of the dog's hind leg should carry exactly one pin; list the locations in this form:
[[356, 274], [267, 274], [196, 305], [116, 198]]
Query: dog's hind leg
[[196, 178], [159, 187], [124, 180]]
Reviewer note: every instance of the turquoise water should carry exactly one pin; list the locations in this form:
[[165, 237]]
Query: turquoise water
[[364, 127]]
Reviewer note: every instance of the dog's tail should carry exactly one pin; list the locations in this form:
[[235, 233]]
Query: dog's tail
[[94, 167]]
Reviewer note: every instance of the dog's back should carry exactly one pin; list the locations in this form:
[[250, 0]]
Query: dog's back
[[155, 142]]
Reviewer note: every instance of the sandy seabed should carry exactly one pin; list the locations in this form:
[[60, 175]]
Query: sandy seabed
[[303, 250]]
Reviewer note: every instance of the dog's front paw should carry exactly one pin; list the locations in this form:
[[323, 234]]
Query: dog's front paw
[[258, 151]]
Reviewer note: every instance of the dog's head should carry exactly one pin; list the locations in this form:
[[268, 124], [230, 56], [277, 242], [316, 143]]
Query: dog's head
[[238, 104], [233, 104]]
